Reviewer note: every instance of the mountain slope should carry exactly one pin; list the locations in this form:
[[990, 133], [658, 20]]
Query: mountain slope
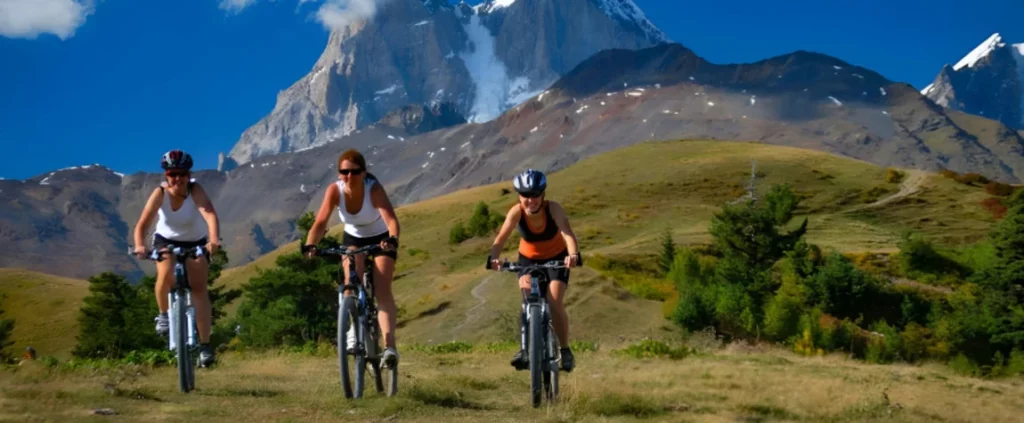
[[619, 211], [481, 59], [988, 81], [617, 98]]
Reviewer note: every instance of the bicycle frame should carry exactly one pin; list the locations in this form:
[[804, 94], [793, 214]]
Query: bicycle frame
[[181, 287], [362, 312], [363, 292]]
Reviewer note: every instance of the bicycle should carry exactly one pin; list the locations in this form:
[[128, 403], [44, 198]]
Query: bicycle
[[183, 336], [542, 345], [360, 307]]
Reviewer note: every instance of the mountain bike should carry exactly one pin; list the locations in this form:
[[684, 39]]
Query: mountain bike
[[360, 308], [536, 331], [183, 336]]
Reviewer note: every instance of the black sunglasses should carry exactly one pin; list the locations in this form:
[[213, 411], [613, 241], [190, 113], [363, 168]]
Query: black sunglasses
[[350, 171], [531, 194]]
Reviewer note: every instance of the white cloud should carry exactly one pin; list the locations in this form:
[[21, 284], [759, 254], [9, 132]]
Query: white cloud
[[338, 14], [30, 18], [235, 6]]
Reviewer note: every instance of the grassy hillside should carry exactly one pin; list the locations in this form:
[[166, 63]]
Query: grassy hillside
[[45, 309], [718, 385], [621, 202]]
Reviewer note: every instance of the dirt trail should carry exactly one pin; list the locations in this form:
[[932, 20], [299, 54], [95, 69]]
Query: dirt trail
[[473, 314], [910, 186]]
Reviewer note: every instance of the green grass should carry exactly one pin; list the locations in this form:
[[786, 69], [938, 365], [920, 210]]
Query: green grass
[[619, 209], [620, 202], [45, 310]]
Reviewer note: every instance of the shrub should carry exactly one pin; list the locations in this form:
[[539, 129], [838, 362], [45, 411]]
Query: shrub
[[995, 206], [972, 179], [998, 189], [649, 348], [458, 234], [893, 176]]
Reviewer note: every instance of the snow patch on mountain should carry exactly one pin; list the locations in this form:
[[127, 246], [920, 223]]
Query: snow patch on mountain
[[981, 51], [494, 90]]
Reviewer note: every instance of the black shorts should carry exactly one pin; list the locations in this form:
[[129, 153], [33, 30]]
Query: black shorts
[[357, 242], [160, 243], [553, 274]]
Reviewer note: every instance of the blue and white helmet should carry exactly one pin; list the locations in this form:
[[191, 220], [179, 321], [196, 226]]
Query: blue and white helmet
[[531, 182]]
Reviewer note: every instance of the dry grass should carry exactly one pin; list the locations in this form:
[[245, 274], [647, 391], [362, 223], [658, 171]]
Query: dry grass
[[726, 385]]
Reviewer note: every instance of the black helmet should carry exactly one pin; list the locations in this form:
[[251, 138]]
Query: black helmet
[[176, 159], [530, 183]]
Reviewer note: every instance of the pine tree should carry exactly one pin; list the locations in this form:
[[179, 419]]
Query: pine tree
[[668, 252], [6, 331], [114, 320]]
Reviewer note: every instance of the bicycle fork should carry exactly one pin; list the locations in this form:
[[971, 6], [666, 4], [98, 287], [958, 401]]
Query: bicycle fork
[[190, 312]]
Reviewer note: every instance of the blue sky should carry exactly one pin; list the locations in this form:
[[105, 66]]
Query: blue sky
[[118, 82]]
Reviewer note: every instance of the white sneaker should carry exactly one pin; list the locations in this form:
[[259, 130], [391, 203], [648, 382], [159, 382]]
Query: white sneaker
[[351, 338]]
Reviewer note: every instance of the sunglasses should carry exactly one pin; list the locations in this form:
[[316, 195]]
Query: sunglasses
[[350, 171], [176, 174], [531, 195]]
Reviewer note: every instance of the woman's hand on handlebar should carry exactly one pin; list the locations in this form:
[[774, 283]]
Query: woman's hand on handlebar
[[309, 251], [572, 260]]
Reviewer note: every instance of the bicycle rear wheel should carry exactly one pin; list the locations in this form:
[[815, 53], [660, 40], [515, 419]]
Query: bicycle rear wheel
[[536, 350]]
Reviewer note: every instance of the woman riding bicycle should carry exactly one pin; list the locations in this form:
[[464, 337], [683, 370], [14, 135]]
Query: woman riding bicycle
[[545, 236], [184, 216], [369, 219]]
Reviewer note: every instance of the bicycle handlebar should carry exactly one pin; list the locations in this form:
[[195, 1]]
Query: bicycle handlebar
[[157, 255], [344, 251]]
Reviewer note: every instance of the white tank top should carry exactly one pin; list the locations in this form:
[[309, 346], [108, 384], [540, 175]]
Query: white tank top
[[184, 225], [368, 221]]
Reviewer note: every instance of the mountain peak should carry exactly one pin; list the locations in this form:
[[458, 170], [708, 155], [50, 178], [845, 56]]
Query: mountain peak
[[988, 81], [984, 49], [628, 11]]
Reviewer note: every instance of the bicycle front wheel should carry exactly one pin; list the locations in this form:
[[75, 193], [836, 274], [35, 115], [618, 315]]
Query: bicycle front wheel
[[180, 311], [536, 347], [352, 379], [551, 370]]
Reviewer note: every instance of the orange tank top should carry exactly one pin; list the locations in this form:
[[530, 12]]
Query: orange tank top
[[544, 243]]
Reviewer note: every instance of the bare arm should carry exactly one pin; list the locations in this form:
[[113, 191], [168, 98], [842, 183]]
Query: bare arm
[[511, 219], [382, 203], [209, 214], [558, 214], [331, 199], [156, 199]]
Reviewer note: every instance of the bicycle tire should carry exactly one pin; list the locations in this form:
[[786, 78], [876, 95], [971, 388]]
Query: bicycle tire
[[184, 361], [551, 372], [344, 319], [536, 350]]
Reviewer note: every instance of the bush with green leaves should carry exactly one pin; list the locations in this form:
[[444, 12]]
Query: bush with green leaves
[[6, 330], [481, 223], [116, 318], [294, 303]]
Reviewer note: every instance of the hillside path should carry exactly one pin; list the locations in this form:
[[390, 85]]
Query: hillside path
[[910, 186]]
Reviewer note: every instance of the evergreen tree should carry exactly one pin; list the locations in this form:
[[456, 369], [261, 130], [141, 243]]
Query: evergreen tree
[[668, 252], [6, 331], [114, 320]]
